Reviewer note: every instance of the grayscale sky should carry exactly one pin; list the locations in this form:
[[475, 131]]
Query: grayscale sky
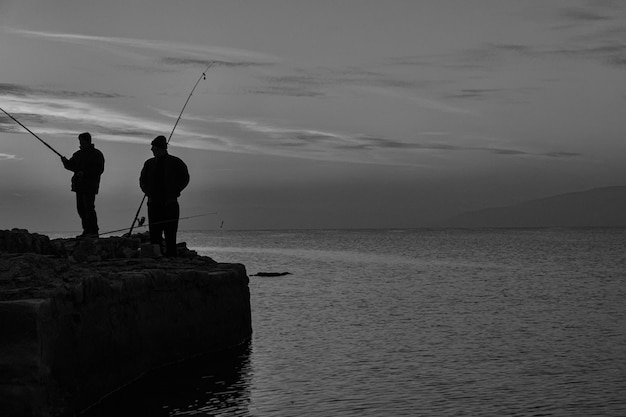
[[316, 114]]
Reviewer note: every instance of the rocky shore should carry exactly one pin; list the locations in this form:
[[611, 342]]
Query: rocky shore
[[81, 318]]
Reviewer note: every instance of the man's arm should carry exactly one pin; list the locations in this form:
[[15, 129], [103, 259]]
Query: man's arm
[[143, 180], [99, 165], [183, 176], [69, 164]]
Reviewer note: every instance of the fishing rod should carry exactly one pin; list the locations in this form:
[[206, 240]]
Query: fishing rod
[[31, 132], [141, 224], [202, 77]]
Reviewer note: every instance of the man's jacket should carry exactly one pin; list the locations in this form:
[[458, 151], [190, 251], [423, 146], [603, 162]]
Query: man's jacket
[[163, 178], [87, 164]]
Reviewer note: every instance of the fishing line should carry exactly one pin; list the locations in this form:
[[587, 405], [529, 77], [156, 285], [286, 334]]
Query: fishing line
[[155, 223], [202, 77], [31, 132]]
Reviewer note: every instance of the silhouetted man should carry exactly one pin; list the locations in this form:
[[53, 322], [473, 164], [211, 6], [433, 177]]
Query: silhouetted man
[[87, 164], [162, 180]]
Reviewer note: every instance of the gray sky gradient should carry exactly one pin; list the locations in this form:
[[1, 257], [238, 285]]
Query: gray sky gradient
[[357, 113]]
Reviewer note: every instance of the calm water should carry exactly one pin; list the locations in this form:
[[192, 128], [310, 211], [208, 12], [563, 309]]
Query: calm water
[[414, 322]]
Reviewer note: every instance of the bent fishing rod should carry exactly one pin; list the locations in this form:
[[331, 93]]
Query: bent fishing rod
[[155, 223], [202, 77], [31, 132]]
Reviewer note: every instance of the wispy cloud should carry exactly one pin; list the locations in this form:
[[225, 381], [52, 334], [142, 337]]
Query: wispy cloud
[[65, 116], [5, 157], [318, 144], [323, 81], [298, 82], [605, 52], [511, 72], [463, 60], [66, 112], [50, 115], [592, 30], [285, 90], [582, 15], [163, 47], [474, 93], [373, 143], [591, 11], [275, 137], [218, 62], [426, 103], [278, 80], [22, 91]]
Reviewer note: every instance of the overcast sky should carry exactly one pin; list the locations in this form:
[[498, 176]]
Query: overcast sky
[[316, 114]]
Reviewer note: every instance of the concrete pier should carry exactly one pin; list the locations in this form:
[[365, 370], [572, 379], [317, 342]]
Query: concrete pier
[[78, 322]]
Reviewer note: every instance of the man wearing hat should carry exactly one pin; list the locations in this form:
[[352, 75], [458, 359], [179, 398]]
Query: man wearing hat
[[87, 164], [162, 179]]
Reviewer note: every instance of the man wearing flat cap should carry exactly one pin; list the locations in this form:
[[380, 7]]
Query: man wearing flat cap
[[162, 180], [87, 164]]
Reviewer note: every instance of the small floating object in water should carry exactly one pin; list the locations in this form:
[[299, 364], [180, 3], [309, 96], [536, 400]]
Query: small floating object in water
[[270, 274]]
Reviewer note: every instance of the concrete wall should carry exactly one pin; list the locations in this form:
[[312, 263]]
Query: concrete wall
[[59, 355]]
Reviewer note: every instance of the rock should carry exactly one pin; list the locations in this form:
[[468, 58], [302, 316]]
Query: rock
[[20, 241], [270, 274], [149, 250], [82, 318]]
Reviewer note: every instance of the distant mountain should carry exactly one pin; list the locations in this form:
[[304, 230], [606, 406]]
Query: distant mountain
[[598, 207]]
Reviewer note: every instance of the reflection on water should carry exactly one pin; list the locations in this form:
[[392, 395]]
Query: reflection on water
[[216, 384]]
